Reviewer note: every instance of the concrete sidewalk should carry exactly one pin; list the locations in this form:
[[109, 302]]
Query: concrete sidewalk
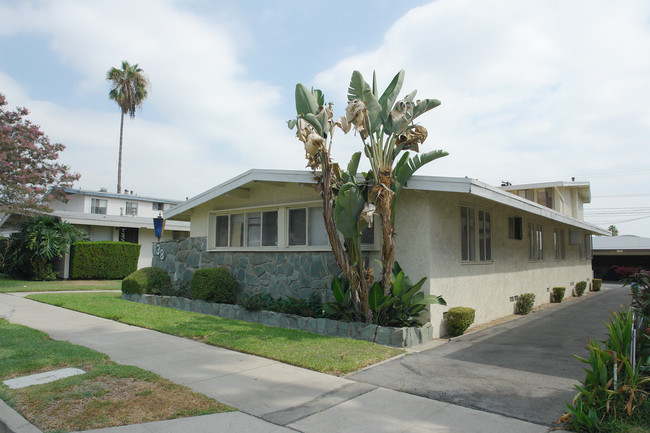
[[272, 396]]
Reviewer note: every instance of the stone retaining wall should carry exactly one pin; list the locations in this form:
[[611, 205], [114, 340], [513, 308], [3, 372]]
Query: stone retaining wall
[[387, 336], [277, 273]]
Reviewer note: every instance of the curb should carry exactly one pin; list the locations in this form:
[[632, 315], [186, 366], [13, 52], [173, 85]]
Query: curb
[[12, 422]]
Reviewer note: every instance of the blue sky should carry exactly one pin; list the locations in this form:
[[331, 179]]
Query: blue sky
[[531, 91]]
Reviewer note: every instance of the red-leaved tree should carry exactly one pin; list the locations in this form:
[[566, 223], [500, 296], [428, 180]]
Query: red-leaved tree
[[29, 171]]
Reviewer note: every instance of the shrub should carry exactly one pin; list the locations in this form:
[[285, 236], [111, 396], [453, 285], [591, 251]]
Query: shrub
[[213, 285], [106, 260], [152, 281], [558, 294], [525, 303], [459, 319], [613, 389], [41, 240], [256, 302], [4, 246], [581, 286], [598, 283]]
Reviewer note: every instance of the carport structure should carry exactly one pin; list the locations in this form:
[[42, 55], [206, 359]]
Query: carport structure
[[614, 251]]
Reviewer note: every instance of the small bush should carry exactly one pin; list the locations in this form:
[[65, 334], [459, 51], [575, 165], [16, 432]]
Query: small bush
[[256, 302], [598, 283], [213, 285], [525, 303], [558, 294], [105, 260], [459, 319], [152, 281], [581, 286]]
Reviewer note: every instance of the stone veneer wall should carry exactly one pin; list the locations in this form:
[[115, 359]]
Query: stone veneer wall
[[276, 273], [388, 336]]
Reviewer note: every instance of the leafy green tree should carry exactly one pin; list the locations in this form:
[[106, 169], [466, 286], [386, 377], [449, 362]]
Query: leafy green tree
[[129, 89], [350, 199], [613, 230], [41, 239], [29, 170]]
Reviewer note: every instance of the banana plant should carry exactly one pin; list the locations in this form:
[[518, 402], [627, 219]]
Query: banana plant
[[386, 127]]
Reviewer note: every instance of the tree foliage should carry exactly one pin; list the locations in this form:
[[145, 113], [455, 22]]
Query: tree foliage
[[613, 230], [29, 167], [389, 133], [129, 88], [41, 239]]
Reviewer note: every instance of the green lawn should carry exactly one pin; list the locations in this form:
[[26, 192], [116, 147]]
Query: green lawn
[[107, 395], [316, 352], [8, 284]]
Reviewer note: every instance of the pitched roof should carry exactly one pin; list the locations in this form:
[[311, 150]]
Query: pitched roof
[[421, 183]]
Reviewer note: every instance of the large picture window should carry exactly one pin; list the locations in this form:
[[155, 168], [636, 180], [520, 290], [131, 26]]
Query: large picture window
[[286, 227], [252, 229], [476, 234]]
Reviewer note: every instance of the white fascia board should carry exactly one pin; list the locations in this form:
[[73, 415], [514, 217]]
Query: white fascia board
[[254, 175], [545, 185], [422, 183], [80, 218], [492, 193]]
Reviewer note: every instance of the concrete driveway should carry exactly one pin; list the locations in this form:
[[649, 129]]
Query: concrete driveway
[[522, 369]]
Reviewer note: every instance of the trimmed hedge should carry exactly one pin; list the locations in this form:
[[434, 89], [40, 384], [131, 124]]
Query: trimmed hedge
[[150, 281], [4, 244], [581, 286], [459, 319], [105, 260], [598, 283], [558, 294], [213, 285]]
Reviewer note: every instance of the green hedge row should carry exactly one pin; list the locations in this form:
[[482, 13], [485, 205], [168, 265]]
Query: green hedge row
[[106, 260]]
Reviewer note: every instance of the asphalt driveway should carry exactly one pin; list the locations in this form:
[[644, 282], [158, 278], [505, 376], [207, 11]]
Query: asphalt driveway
[[522, 369]]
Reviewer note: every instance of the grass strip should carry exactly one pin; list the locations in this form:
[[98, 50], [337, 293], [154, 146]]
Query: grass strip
[[330, 355], [107, 395], [8, 284]]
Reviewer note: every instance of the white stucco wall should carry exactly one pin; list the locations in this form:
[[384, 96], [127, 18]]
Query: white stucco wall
[[429, 244]]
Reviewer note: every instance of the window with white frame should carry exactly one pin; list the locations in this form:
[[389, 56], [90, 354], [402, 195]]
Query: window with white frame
[[559, 244], [132, 208], [286, 227], [536, 241], [157, 206], [476, 234], [98, 206], [252, 229]]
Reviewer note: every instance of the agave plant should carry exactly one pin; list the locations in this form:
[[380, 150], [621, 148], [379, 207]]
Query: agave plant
[[386, 127]]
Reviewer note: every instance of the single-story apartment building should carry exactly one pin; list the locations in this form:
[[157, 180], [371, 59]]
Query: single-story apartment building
[[479, 245]]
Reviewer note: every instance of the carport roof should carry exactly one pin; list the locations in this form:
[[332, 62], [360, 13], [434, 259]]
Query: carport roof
[[422, 183], [625, 242]]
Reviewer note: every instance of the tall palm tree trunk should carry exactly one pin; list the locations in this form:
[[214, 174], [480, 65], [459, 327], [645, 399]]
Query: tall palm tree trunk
[[119, 158]]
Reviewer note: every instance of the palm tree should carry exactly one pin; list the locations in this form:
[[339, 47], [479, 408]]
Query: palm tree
[[129, 88]]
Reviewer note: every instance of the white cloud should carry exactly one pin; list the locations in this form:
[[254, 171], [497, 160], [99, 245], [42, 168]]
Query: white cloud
[[205, 119]]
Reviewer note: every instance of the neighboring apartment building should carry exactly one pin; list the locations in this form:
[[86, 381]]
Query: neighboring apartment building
[[567, 198], [113, 217]]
